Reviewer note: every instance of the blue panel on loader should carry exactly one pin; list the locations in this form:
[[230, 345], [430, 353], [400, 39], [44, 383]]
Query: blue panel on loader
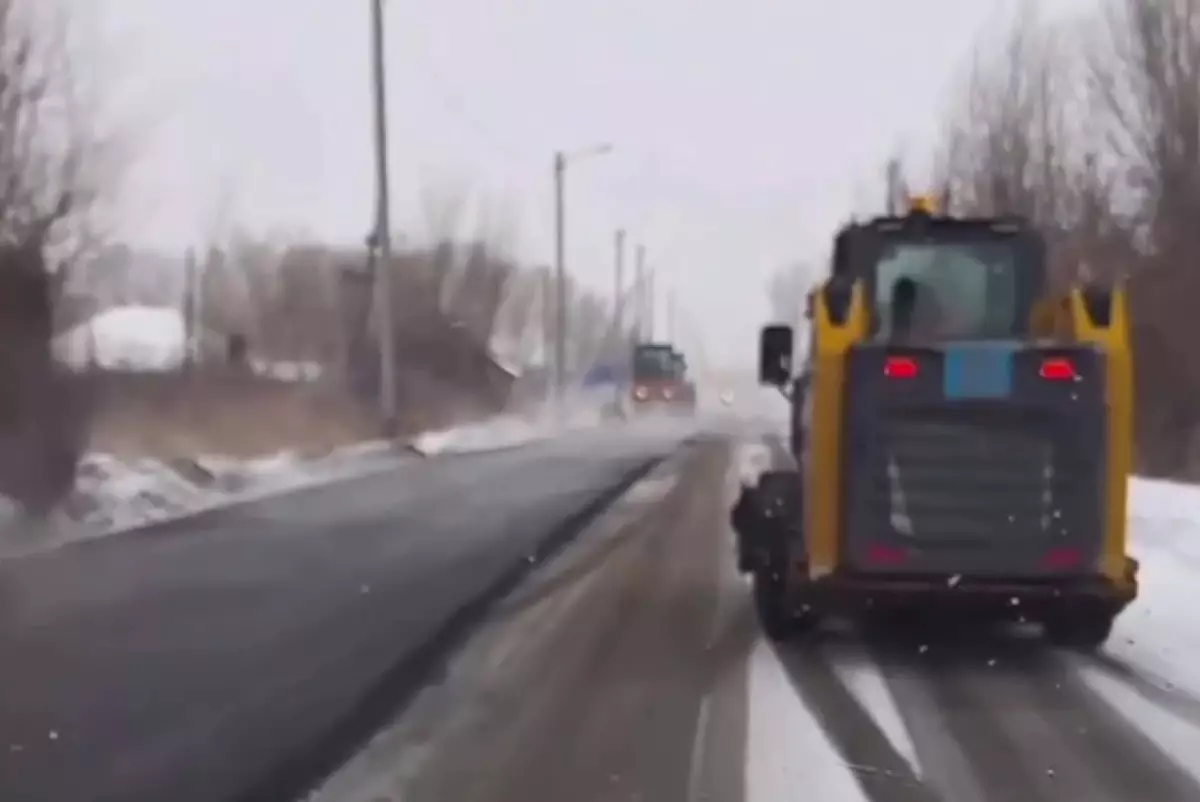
[[978, 371]]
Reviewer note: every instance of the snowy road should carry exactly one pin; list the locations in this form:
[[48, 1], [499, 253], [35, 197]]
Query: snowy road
[[629, 667], [633, 669]]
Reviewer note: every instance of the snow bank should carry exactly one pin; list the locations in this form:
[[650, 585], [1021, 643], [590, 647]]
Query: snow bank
[[1159, 635], [112, 495], [505, 431]]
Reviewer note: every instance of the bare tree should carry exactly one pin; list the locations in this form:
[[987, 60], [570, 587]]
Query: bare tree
[[50, 183], [1144, 70], [1006, 145], [1111, 174]]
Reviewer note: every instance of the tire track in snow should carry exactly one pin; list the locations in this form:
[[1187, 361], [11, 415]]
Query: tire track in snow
[[1152, 689], [1177, 736], [860, 674], [881, 771], [788, 754], [1000, 721]]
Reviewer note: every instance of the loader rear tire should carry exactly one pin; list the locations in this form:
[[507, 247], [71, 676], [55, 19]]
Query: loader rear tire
[[1083, 630], [778, 612]]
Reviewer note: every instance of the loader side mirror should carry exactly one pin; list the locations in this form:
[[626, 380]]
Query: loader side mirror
[[775, 355]]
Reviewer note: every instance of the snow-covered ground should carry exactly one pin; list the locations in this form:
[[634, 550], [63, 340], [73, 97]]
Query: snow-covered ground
[[536, 423], [126, 338]]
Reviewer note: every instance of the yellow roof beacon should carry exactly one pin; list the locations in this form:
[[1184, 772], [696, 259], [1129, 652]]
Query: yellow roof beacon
[[922, 204]]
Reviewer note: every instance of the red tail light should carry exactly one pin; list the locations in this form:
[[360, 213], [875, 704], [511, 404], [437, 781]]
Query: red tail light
[[900, 367], [1057, 369], [1062, 559], [879, 554]]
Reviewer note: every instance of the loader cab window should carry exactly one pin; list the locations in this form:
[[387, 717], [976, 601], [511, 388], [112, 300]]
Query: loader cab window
[[963, 289]]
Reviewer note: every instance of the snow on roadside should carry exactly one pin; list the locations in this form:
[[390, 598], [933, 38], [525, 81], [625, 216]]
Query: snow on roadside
[[1148, 673], [506, 431], [486, 436], [1177, 736], [113, 495], [1159, 635]]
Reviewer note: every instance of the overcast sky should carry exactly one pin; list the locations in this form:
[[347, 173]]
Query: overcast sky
[[743, 130]]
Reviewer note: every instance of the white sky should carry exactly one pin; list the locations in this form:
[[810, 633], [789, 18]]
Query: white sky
[[744, 131]]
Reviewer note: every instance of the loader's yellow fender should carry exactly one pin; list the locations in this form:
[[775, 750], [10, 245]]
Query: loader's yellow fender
[[823, 463], [1114, 340]]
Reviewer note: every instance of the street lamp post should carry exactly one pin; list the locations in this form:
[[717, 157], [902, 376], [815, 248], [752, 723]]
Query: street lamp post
[[561, 162]]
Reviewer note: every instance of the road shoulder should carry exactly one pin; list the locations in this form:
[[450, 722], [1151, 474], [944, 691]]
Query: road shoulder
[[616, 671]]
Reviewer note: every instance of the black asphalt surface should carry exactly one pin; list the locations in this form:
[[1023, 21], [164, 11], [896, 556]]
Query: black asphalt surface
[[191, 662]]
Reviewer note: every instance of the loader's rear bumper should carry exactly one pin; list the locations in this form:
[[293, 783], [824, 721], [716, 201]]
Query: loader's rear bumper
[[995, 597]]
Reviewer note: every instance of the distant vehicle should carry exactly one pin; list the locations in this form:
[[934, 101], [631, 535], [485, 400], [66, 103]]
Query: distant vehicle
[[660, 380], [963, 443]]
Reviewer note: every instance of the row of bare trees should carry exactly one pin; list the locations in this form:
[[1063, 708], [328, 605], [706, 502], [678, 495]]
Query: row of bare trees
[[305, 301], [1090, 126]]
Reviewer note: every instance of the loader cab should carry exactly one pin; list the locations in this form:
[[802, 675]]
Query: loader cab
[[971, 279]]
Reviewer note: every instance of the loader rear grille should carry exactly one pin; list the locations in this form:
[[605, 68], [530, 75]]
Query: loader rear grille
[[958, 479]]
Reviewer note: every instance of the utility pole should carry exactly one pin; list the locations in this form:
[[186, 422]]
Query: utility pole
[[650, 305], [548, 328], [561, 160], [560, 278], [670, 316], [383, 236], [619, 285], [189, 308], [622, 344], [640, 294]]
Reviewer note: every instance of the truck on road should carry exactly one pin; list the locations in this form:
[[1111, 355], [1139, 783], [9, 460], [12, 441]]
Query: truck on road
[[659, 380], [961, 437]]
